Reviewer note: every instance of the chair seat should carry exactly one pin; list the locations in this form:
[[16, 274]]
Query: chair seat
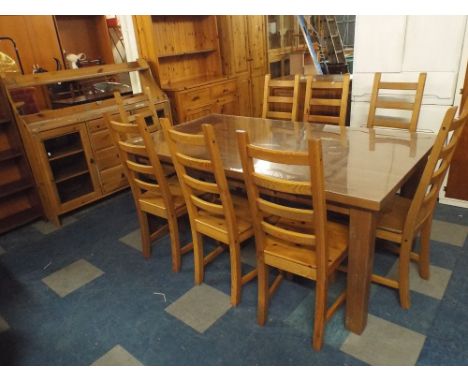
[[391, 224], [153, 203], [277, 250], [216, 227]]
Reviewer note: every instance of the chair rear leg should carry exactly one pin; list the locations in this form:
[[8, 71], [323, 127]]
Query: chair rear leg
[[263, 292], [320, 313], [403, 284], [175, 243], [198, 256], [236, 273], [424, 255], [145, 234]]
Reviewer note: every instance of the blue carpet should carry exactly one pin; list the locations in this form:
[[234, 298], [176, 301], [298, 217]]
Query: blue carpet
[[121, 307]]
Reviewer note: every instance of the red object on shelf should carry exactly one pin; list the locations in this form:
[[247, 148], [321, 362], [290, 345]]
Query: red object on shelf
[[112, 22]]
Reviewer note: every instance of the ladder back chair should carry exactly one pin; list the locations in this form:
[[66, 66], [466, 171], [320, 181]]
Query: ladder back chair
[[326, 99], [396, 102], [294, 239], [153, 192], [149, 112], [280, 98], [408, 218], [213, 211]]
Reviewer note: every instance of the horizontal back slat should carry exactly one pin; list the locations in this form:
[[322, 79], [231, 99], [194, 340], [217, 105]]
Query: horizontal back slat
[[147, 186], [188, 139], [140, 168], [325, 102], [286, 212], [323, 119], [133, 149], [288, 235], [288, 186], [201, 185], [280, 99], [396, 122], [210, 207], [279, 115], [398, 85], [326, 84], [195, 163], [400, 105], [278, 156]]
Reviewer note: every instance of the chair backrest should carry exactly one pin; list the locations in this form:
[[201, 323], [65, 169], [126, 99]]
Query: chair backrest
[[396, 102], [149, 112], [265, 210], [197, 160], [139, 158], [326, 99], [438, 163], [280, 98]]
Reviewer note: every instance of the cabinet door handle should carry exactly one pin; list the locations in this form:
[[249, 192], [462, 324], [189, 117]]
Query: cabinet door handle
[[195, 98], [91, 160]]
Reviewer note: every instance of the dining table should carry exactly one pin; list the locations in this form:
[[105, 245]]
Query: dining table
[[363, 170]]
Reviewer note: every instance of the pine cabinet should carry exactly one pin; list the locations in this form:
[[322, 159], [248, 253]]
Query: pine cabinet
[[243, 47]]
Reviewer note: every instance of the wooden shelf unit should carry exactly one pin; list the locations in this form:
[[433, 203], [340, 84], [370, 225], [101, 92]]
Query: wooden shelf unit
[[19, 201], [184, 54], [71, 152]]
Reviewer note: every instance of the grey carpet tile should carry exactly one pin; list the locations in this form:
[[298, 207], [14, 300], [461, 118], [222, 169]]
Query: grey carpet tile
[[2, 250], [385, 344], [45, 227], [434, 287], [133, 239], [117, 356], [450, 233], [72, 277], [3, 325], [200, 307]]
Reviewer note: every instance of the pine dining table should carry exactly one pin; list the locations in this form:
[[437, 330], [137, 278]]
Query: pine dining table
[[364, 169]]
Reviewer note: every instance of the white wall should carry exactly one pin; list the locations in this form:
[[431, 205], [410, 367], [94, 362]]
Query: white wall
[[402, 46]]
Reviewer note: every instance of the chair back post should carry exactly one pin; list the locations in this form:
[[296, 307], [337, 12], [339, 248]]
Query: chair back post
[[221, 181], [318, 202]]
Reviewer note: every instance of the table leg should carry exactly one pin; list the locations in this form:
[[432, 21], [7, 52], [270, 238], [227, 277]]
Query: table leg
[[360, 263]]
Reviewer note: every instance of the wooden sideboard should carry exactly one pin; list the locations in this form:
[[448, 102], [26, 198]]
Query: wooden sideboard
[[72, 156]]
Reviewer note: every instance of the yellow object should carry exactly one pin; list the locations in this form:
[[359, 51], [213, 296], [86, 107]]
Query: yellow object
[[7, 64]]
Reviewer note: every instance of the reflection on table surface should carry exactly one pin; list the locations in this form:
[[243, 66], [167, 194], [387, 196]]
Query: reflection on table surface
[[362, 166]]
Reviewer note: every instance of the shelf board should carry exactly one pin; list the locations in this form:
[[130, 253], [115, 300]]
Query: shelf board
[[18, 218], [72, 174], [66, 152], [15, 187], [9, 154], [188, 53]]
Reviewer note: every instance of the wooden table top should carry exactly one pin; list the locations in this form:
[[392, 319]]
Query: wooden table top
[[363, 167]]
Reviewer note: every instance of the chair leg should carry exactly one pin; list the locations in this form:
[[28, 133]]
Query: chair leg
[[145, 234], [198, 256], [403, 283], [175, 243], [236, 273], [263, 292], [320, 312], [424, 254]]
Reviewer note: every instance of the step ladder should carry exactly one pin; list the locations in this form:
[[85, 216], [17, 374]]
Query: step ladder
[[332, 40], [309, 43]]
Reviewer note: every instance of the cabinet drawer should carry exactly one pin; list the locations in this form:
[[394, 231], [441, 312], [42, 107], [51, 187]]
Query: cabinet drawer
[[223, 89], [106, 158], [195, 97], [101, 140], [112, 179], [96, 125]]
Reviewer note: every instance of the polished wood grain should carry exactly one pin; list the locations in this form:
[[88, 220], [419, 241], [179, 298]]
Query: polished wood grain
[[297, 240], [357, 178]]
